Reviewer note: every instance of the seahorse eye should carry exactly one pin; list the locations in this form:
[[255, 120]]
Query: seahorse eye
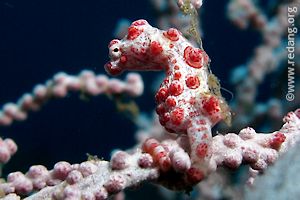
[[116, 50]]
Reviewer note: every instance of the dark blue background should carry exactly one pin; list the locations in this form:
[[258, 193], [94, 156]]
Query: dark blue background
[[39, 38]]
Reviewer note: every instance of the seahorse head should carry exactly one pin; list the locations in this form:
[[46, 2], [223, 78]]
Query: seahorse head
[[138, 50]]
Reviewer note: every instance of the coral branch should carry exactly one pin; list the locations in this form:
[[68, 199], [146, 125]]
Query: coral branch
[[7, 148], [58, 87], [97, 179]]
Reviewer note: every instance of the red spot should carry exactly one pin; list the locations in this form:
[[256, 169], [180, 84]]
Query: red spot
[[113, 70], [200, 129], [161, 95], [201, 122], [176, 67], [201, 150], [123, 59], [195, 175], [192, 100], [193, 139], [192, 114], [133, 32], [204, 136], [134, 50], [155, 48], [174, 61], [177, 75], [171, 45], [170, 102], [177, 116], [172, 34], [139, 22], [193, 56], [114, 41], [176, 88], [277, 140], [211, 105], [192, 82]]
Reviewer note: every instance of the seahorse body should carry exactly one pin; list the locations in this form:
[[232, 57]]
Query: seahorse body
[[189, 99]]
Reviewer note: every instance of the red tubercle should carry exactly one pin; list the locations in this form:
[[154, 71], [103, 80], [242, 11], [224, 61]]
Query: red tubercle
[[134, 50], [133, 32], [192, 82], [172, 34], [211, 105], [139, 22], [193, 56], [277, 140], [123, 59], [177, 116], [170, 102], [114, 41], [155, 48], [161, 95], [164, 118], [112, 70], [176, 88], [160, 109], [166, 81]]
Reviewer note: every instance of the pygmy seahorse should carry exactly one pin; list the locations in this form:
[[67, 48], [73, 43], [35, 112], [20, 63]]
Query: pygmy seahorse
[[189, 99]]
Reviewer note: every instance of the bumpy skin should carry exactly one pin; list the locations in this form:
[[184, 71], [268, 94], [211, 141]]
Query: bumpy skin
[[189, 100]]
